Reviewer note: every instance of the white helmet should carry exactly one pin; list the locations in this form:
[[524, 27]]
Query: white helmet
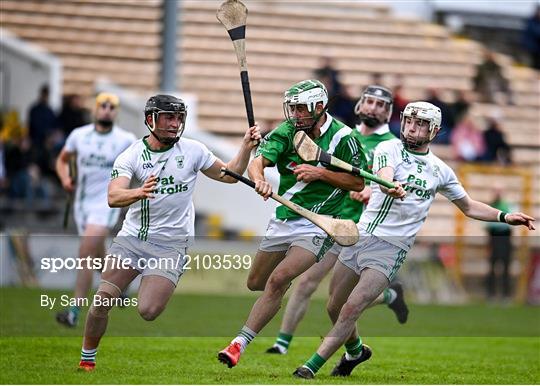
[[309, 93], [425, 111]]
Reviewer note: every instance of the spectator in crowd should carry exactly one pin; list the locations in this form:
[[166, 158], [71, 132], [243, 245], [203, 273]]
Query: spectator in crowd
[[3, 177], [73, 114], [399, 105], [23, 176], [531, 38], [500, 243], [497, 149], [376, 78], [342, 106], [489, 81], [328, 72], [43, 125], [340, 101], [467, 141], [460, 106], [41, 119], [448, 122]]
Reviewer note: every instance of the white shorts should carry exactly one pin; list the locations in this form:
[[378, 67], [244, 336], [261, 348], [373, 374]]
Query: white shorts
[[336, 249], [283, 234], [95, 215], [149, 258], [375, 253]]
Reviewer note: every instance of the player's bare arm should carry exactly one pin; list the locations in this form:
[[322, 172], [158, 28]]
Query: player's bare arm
[[239, 163], [345, 181], [62, 170], [480, 211], [362, 196], [256, 174], [119, 194], [387, 173]]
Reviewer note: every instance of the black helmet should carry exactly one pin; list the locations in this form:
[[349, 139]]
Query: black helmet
[[168, 103], [164, 104], [377, 92]]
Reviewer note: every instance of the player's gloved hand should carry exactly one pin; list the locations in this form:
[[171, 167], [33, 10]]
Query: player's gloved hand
[[307, 173], [252, 137], [147, 190], [362, 196], [263, 188], [397, 192], [520, 219]]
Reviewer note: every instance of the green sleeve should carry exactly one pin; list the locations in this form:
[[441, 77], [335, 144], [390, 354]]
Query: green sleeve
[[275, 143], [350, 150]]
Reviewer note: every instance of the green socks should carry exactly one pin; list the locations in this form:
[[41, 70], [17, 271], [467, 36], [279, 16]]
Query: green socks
[[283, 341], [354, 349], [315, 363]]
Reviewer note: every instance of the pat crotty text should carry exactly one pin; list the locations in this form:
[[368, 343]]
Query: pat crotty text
[[67, 301]]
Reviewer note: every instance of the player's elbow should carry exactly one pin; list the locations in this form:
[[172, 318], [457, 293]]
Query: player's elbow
[[255, 168], [229, 180], [466, 206], [112, 201]]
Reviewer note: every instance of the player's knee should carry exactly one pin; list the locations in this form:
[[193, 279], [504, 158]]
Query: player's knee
[[254, 283], [149, 312], [333, 308], [100, 309], [350, 311], [278, 283]]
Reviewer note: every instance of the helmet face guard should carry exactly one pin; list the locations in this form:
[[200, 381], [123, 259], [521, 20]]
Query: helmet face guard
[[309, 93], [422, 111], [165, 104], [375, 92]]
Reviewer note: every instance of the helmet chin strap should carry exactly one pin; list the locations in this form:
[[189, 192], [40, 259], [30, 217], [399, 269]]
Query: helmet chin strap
[[414, 145], [315, 120]]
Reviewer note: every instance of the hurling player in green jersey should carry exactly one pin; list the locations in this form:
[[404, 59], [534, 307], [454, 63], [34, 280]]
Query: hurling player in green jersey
[[373, 111], [293, 244]]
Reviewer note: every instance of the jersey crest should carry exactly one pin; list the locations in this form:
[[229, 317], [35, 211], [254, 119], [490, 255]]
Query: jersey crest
[[180, 161]]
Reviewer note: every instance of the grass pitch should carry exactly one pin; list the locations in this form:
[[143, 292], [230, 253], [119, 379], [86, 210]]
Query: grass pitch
[[440, 344]]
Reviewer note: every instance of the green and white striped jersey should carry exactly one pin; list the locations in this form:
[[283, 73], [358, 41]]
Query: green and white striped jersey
[[424, 174], [170, 215], [317, 196], [352, 209]]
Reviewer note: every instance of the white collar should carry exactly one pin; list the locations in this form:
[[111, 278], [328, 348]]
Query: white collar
[[326, 125]]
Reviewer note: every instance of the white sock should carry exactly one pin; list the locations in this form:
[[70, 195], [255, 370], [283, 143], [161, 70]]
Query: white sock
[[245, 336], [350, 357], [311, 371], [393, 295]]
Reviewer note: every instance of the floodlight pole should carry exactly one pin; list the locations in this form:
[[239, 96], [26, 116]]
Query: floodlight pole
[[171, 13]]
